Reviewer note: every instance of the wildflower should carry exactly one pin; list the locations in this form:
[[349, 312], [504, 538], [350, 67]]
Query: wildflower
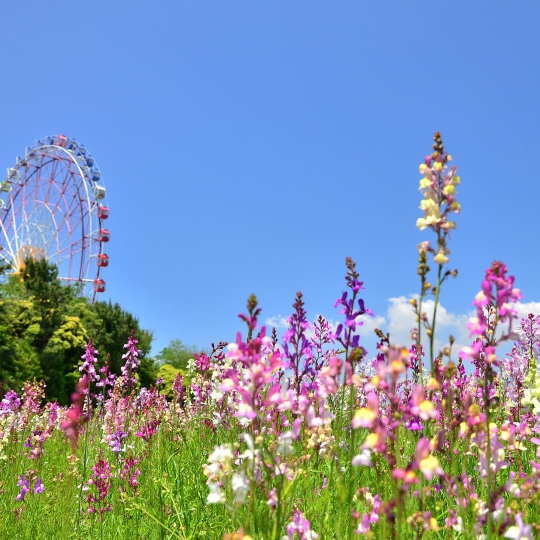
[[363, 458], [35, 443], [272, 499], [130, 472], [519, 531], [108, 378], [148, 429], [441, 258], [100, 480], [219, 464], [299, 526], [498, 290], [239, 535], [24, 484], [428, 464], [132, 361], [115, 441], [353, 308], [240, 487], [216, 494], [88, 366], [285, 444], [374, 504], [38, 486], [178, 388], [376, 440], [366, 416], [10, 403], [422, 407], [74, 417]]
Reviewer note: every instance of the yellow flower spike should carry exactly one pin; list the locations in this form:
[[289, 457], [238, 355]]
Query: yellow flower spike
[[449, 189], [422, 168], [397, 367], [441, 258], [474, 409], [426, 410], [421, 223], [363, 417], [438, 166], [425, 183], [456, 180], [410, 477], [433, 384], [430, 466], [371, 441], [429, 205]]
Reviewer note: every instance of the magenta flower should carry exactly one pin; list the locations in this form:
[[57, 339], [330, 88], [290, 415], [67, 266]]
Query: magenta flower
[[178, 388], [497, 290], [130, 472], [300, 527], [88, 366], [10, 403], [100, 481], [115, 441], [74, 416], [24, 484], [132, 361], [38, 486], [148, 430]]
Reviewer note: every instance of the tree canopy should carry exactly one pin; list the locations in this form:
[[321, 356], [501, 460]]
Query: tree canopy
[[45, 324], [177, 354]]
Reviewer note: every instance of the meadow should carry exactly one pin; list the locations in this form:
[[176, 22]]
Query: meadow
[[302, 437]]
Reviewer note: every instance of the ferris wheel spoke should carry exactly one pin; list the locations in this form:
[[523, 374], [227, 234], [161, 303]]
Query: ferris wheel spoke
[[7, 247]]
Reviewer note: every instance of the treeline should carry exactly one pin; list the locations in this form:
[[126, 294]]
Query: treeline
[[45, 324]]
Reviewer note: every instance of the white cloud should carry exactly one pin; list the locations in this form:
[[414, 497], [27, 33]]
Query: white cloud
[[278, 322], [524, 308], [400, 320]]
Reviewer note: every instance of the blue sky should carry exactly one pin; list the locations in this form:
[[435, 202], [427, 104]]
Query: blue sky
[[252, 146]]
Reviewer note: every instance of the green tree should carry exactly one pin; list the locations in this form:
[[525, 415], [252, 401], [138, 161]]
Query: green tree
[[168, 374], [50, 297], [44, 325], [177, 354], [37, 307]]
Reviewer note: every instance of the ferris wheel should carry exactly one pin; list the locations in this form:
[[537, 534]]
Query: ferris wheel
[[52, 206]]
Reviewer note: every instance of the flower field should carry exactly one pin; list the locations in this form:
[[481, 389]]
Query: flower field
[[302, 437]]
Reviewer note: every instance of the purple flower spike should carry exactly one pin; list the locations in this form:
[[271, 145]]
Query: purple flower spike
[[24, 484], [39, 487]]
